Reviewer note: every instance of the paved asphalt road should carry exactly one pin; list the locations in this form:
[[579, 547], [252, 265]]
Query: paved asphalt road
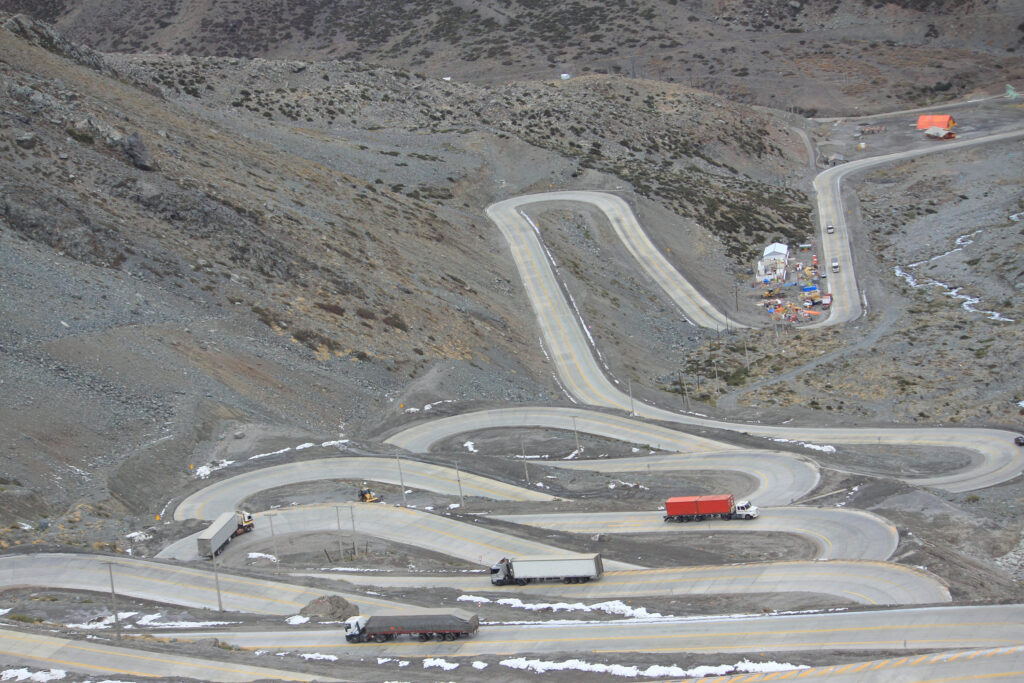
[[936, 628], [167, 583], [850, 582], [521, 231], [846, 303], [48, 652], [776, 479], [436, 532], [995, 457], [226, 494], [836, 533]]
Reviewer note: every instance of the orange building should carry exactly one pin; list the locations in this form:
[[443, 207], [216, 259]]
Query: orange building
[[926, 121]]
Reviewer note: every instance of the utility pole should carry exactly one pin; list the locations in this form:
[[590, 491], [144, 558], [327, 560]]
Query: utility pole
[[746, 357], [352, 514], [216, 583], [337, 515], [576, 434], [113, 600], [458, 477], [631, 412], [714, 362], [736, 293], [401, 479], [273, 540]]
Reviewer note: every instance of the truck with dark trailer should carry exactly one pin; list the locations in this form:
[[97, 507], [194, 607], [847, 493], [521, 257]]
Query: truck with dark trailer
[[439, 626]]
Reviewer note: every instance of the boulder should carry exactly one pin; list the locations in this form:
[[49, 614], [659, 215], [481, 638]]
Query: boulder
[[330, 607], [136, 150]]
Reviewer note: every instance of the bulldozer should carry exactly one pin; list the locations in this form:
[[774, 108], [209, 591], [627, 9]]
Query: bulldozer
[[366, 495]]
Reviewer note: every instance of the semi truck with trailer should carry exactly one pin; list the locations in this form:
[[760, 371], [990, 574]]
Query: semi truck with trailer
[[361, 629], [699, 508], [228, 525], [565, 568]]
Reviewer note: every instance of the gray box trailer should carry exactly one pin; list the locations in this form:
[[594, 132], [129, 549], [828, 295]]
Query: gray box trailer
[[228, 525], [565, 568]]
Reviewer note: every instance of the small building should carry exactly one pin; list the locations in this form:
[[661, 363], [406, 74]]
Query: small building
[[773, 266], [776, 251], [940, 133], [926, 121]]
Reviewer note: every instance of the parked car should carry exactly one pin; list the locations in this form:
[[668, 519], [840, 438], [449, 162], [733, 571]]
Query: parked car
[[1019, 441]]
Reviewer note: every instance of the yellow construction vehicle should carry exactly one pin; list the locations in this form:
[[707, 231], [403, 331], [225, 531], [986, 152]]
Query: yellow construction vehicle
[[366, 495]]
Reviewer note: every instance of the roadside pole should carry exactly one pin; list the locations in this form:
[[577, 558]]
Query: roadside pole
[[216, 583], [113, 599], [337, 515], [401, 478], [458, 478], [576, 434], [273, 540], [352, 513]]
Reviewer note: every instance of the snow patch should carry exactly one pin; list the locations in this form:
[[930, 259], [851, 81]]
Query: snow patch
[[103, 622], [440, 663], [609, 607], [470, 446], [26, 675], [152, 620], [304, 446], [297, 619], [317, 655], [653, 671], [267, 455], [812, 446], [263, 556], [204, 471]]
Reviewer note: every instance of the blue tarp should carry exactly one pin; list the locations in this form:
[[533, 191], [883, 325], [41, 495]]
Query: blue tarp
[[812, 288]]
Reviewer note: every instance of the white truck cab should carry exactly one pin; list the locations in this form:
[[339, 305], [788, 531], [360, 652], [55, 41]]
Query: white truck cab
[[746, 510]]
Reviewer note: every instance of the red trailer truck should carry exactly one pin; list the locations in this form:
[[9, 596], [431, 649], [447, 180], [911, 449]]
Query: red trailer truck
[[697, 508]]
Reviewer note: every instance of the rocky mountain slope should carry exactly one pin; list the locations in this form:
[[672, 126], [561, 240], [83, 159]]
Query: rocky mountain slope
[[187, 241], [827, 57]]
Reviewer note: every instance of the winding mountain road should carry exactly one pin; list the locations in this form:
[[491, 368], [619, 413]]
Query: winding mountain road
[[836, 533]]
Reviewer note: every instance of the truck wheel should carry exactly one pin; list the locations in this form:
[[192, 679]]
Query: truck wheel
[[424, 637], [449, 636], [726, 516], [380, 637], [522, 582]]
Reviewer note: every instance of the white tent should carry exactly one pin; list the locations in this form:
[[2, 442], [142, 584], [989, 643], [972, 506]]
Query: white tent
[[775, 251]]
